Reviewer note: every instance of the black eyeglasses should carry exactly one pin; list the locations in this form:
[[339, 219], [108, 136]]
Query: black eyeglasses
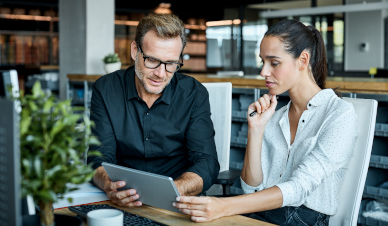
[[152, 63]]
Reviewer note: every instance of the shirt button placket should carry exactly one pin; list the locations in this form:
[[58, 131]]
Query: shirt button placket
[[147, 131]]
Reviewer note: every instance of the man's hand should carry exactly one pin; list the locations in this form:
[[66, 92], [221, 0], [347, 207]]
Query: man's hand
[[121, 198]]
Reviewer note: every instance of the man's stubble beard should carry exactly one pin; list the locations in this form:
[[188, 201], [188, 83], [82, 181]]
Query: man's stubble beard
[[140, 76]]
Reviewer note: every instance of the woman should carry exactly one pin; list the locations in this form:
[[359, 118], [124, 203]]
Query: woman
[[297, 156]]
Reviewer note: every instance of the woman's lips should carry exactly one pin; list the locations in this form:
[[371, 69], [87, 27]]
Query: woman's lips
[[269, 84]]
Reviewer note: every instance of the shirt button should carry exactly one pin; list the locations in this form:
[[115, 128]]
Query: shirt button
[[146, 138], [303, 120], [147, 113], [310, 105]]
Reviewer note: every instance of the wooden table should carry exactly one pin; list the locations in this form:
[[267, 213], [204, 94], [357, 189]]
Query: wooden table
[[344, 84], [172, 218]]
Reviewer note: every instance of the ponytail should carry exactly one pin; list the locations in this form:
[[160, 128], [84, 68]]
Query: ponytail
[[318, 58]]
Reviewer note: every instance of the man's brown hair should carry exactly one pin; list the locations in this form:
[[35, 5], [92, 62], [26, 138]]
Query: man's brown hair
[[164, 25]]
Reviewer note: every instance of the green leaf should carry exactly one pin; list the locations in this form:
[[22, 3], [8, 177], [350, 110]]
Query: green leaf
[[27, 166], [94, 141], [53, 170], [48, 105], [57, 127], [34, 184], [77, 180], [47, 196], [94, 153], [38, 166], [72, 119], [70, 199], [33, 106], [36, 89], [73, 154], [24, 124]]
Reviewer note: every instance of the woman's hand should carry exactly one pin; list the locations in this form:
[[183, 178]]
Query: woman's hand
[[201, 209], [265, 107]]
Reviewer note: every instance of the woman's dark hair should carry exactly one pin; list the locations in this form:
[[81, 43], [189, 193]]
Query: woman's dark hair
[[297, 37]]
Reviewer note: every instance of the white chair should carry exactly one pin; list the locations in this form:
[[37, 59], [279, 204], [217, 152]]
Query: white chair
[[349, 197], [220, 97]]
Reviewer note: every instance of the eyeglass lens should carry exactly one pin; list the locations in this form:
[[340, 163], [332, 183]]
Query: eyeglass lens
[[154, 63]]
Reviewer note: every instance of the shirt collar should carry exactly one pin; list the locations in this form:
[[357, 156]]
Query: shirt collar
[[321, 96], [132, 91], [318, 99]]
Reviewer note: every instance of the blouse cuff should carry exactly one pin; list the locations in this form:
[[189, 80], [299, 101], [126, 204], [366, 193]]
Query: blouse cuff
[[288, 193], [247, 189]]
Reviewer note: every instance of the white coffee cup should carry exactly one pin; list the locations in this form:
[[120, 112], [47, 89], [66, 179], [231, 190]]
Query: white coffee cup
[[105, 217]]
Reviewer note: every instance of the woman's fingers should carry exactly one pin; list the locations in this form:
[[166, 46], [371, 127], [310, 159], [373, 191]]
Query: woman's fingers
[[262, 104], [199, 219], [190, 202], [196, 213], [265, 102]]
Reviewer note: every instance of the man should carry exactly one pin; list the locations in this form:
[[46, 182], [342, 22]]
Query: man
[[151, 118]]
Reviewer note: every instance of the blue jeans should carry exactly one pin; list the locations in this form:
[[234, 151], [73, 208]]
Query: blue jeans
[[290, 216]]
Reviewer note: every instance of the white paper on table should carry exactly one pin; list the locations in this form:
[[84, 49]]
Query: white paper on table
[[86, 193]]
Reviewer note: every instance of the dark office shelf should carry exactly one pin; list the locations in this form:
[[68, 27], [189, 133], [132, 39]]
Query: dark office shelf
[[238, 142], [375, 193], [236, 165], [381, 130], [247, 91], [236, 190], [239, 116], [378, 161], [78, 103], [368, 221]]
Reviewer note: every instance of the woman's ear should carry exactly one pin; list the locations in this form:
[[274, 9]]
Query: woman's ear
[[304, 60], [134, 50]]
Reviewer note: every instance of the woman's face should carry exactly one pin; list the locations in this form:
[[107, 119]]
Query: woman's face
[[280, 69]]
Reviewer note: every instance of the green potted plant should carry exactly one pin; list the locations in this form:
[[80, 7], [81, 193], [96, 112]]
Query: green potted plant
[[112, 63], [54, 139]]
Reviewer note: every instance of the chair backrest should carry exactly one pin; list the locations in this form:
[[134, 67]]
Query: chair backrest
[[350, 194], [220, 96]]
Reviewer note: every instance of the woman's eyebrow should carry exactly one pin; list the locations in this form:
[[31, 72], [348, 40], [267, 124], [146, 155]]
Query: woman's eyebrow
[[270, 57]]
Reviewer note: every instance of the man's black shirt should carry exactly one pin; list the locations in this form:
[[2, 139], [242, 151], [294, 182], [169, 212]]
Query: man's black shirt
[[174, 136]]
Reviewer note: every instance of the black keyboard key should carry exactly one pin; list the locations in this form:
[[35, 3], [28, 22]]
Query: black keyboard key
[[129, 218]]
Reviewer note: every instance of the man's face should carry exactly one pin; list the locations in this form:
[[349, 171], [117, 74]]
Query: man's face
[[168, 50]]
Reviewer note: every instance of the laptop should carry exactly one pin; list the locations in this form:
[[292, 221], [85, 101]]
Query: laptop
[[153, 189]]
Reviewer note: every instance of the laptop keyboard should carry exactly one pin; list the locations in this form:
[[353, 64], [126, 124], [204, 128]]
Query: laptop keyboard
[[129, 218]]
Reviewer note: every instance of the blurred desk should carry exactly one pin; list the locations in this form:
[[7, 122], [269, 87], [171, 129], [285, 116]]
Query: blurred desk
[[172, 218]]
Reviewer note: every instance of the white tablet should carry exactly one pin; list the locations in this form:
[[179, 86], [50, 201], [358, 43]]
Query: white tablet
[[153, 189]]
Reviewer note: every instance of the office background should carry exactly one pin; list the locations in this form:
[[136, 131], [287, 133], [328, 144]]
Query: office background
[[47, 40]]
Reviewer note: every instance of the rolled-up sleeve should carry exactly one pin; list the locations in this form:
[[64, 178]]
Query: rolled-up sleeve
[[200, 141], [103, 130], [332, 151]]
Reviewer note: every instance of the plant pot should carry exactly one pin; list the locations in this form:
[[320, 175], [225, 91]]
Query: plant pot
[[109, 68], [59, 219]]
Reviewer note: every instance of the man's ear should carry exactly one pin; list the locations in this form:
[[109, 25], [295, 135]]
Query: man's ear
[[134, 50], [304, 60]]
